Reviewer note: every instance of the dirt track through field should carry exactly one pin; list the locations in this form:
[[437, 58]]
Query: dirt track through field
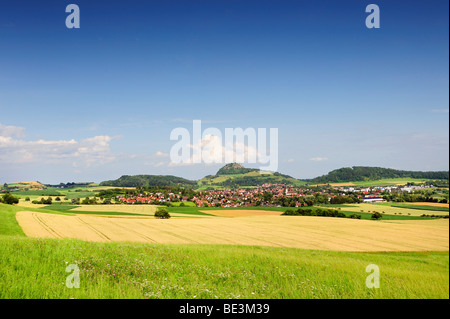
[[279, 231]]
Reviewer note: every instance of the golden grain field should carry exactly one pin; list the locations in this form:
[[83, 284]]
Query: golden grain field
[[370, 208], [241, 213], [429, 204], [132, 209], [279, 231]]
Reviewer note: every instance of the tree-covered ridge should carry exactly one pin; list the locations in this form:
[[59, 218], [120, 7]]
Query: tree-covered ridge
[[235, 175], [246, 180], [149, 180], [235, 168], [364, 173]]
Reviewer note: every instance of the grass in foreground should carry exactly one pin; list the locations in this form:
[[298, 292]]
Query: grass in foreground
[[35, 268]]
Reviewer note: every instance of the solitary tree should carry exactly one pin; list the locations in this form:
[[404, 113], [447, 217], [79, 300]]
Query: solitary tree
[[377, 215], [162, 213]]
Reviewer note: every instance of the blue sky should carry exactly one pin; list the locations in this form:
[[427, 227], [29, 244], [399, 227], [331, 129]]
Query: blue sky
[[99, 102]]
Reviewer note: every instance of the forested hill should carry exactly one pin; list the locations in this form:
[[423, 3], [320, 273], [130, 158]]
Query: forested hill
[[149, 180], [235, 168], [364, 173]]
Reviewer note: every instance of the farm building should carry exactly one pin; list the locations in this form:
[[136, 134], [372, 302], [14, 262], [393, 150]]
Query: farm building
[[373, 199]]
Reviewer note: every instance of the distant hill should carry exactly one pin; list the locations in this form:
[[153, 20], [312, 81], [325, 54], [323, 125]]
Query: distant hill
[[235, 168], [364, 173], [149, 180], [21, 186], [236, 175]]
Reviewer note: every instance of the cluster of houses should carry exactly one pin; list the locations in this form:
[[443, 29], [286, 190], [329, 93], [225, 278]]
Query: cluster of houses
[[242, 197], [149, 198], [381, 189]]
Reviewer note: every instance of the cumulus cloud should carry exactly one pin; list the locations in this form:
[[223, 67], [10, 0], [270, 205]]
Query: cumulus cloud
[[211, 150], [89, 151], [12, 131], [318, 159]]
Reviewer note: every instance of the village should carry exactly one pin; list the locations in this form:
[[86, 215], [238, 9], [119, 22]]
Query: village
[[270, 195]]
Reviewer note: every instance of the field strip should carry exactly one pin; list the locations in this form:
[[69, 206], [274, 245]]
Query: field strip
[[241, 212], [46, 227], [147, 238], [132, 209], [323, 233], [390, 210], [425, 204], [228, 231], [93, 228], [147, 211]]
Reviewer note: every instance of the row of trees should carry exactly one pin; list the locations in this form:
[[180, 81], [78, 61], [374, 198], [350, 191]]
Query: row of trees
[[314, 211]]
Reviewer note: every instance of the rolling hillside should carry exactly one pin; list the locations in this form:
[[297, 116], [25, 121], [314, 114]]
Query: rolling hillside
[[149, 180], [364, 173], [236, 175]]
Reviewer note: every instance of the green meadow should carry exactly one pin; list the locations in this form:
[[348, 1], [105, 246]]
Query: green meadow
[[35, 268]]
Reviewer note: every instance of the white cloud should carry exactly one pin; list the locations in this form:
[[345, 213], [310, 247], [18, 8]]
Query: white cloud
[[318, 159], [12, 131], [89, 151], [210, 150], [161, 154], [291, 160]]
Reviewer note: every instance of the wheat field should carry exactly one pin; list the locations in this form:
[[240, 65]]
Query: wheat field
[[320, 233], [370, 208]]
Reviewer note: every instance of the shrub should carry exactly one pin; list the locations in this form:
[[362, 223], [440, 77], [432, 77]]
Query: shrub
[[27, 199], [355, 216], [376, 216], [162, 213], [10, 199], [289, 212], [311, 211]]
